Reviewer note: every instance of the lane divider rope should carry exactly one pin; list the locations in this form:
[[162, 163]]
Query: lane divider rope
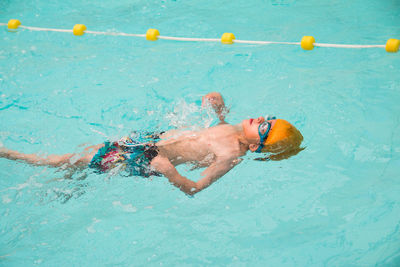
[[307, 42]]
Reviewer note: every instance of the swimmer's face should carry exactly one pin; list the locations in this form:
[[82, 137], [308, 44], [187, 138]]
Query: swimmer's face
[[250, 129]]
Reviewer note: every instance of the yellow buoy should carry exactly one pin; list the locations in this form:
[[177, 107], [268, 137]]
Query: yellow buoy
[[13, 24], [227, 38], [152, 34], [307, 42], [79, 29], [392, 45]]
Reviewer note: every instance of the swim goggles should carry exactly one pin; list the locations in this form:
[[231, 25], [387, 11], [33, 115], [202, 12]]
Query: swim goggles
[[263, 128]]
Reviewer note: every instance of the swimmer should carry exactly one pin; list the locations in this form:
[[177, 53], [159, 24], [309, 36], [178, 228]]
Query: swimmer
[[218, 148]]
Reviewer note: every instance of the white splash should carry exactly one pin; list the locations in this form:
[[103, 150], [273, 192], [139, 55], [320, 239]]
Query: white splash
[[126, 207], [6, 199], [90, 229], [190, 115]]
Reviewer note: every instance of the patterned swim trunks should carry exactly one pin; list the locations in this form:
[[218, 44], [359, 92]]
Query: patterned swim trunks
[[132, 154]]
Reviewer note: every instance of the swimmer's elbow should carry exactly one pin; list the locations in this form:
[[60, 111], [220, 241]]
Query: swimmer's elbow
[[199, 186], [193, 190]]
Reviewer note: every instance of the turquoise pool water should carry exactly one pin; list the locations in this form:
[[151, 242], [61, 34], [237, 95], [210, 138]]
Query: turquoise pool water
[[337, 203]]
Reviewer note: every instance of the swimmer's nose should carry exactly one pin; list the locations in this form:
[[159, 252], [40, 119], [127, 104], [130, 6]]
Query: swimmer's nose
[[260, 119]]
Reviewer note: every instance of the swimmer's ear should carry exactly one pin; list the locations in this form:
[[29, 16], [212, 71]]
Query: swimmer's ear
[[253, 147]]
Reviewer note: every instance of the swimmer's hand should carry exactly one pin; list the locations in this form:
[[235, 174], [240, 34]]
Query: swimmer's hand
[[217, 103]]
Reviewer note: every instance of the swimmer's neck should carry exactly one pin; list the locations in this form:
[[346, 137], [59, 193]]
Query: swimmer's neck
[[243, 140]]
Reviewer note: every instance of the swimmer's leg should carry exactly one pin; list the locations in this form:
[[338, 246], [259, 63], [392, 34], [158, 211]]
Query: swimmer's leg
[[71, 160]]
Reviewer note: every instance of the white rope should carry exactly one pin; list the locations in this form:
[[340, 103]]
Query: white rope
[[264, 42], [116, 34], [189, 39], [185, 39], [44, 29], [347, 46]]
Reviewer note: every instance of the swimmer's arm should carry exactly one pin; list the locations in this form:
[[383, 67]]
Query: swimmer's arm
[[216, 170], [166, 168], [217, 103], [211, 174]]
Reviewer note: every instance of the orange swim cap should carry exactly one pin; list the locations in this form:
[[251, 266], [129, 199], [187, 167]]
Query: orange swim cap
[[282, 137]]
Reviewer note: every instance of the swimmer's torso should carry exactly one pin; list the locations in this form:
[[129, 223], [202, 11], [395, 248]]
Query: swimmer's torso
[[200, 147]]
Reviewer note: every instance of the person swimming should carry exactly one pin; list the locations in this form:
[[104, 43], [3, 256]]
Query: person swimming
[[218, 148]]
